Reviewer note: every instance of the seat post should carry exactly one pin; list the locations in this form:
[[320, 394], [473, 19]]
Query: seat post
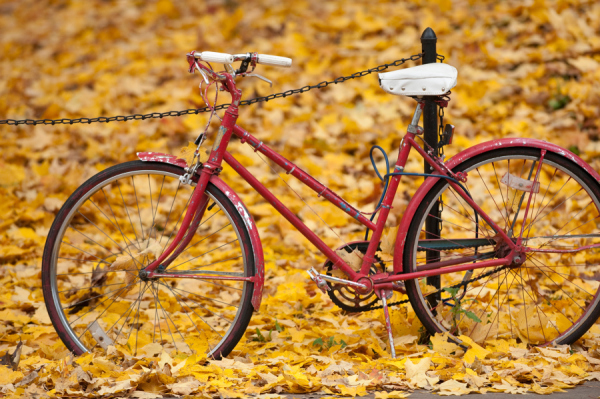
[[414, 124]]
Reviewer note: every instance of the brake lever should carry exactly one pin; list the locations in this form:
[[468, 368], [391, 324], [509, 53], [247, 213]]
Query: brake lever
[[255, 75], [202, 73]]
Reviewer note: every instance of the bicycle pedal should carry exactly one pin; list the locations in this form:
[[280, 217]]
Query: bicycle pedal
[[316, 277]]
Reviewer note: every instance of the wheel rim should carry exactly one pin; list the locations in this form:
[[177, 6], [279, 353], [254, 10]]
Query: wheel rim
[[189, 304], [537, 325]]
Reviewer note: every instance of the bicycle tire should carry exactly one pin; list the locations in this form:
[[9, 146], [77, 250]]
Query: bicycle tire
[[73, 285], [546, 310]]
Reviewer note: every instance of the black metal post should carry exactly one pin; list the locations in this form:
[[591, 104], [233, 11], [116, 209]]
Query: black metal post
[[430, 127]]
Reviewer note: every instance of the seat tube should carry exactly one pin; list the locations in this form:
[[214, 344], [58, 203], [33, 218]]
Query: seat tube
[[386, 204]]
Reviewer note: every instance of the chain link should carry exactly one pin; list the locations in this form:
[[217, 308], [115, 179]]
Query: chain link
[[441, 156], [195, 111]]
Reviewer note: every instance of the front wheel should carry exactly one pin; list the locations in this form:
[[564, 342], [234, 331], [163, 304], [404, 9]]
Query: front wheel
[[552, 297], [117, 223]]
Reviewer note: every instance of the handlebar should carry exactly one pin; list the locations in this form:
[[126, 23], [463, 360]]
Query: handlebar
[[225, 58], [210, 56]]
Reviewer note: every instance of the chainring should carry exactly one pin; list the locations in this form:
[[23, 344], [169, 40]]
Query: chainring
[[345, 296]]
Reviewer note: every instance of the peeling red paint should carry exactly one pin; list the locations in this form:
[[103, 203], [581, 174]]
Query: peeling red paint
[[161, 157]]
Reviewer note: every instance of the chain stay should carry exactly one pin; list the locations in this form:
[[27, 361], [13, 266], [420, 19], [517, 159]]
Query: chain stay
[[461, 284], [195, 111]]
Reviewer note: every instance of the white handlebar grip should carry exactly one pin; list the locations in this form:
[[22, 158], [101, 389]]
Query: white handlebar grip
[[274, 60], [222, 58]]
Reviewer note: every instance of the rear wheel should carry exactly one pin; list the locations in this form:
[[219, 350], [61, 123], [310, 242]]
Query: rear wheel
[[117, 223], [553, 297]]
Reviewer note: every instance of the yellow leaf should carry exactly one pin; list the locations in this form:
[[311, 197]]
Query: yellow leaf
[[388, 240], [391, 395], [187, 153], [297, 336], [474, 351], [8, 376], [353, 259], [441, 344], [352, 391], [453, 387]]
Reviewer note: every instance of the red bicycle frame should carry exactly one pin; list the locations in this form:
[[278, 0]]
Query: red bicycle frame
[[198, 203]]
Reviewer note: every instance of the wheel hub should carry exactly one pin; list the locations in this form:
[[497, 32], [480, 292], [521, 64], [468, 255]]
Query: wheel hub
[[518, 259], [143, 274]]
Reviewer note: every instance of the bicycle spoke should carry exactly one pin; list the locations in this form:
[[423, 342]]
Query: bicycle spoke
[[555, 272], [559, 287], [174, 325], [99, 316], [176, 224], [137, 203], [169, 215], [200, 305], [198, 242], [489, 192], [126, 239], [88, 299], [193, 323], [505, 208], [95, 283], [207, 252], [87, 288], [81, 250], [119, 228], [99, 229], [82, 261], [557, 214], [138, 318], [205, 297]]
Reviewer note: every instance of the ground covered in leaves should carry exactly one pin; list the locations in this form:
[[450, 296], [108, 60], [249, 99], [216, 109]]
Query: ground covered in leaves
[[526, 69]]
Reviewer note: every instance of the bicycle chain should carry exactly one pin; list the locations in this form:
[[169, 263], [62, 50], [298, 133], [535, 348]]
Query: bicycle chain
[[451, 247], [195, 111], [463, 283]]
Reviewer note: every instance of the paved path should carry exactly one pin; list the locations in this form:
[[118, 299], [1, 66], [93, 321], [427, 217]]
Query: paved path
[[590, 390]]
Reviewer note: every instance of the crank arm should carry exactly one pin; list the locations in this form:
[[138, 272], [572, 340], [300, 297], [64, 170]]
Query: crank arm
[[343, 281], [322, 284]]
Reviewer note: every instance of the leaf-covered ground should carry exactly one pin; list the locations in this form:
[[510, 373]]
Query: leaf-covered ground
[[526, 69]]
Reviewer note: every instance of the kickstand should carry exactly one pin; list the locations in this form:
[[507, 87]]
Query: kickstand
[[385, 295]]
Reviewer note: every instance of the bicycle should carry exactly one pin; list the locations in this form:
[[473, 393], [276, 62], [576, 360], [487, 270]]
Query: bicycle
[[507, 263]]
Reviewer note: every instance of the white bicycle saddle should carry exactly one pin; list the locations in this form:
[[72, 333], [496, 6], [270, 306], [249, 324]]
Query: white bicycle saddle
[[422, 80]]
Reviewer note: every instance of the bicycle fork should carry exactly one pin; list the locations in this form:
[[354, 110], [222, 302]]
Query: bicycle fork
[[191, 220]]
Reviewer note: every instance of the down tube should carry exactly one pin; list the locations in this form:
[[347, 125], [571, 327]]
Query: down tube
[[304, 177], [289, 215]]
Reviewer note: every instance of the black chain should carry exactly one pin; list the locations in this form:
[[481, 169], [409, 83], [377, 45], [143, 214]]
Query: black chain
[[441, 156], [193, 111], [461, 284]]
